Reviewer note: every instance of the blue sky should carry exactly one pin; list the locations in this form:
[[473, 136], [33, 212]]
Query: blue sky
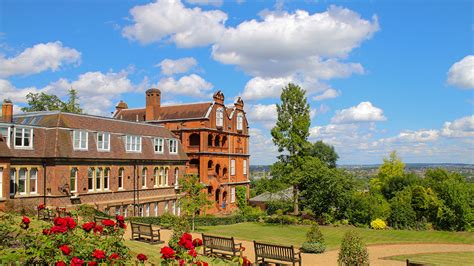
[[379, 75]]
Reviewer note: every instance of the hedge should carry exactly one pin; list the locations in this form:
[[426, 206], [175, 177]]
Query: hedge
[[169, 220]]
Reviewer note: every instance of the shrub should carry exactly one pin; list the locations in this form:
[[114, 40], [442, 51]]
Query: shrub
[[309, 247], [285, 206], [314, 240], [378, 224], [241, 197], [402, 215], [281, 219], [353, 250]]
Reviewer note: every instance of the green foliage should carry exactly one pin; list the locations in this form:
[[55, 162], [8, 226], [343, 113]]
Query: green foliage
[[324, 152], [391, 167], [281, 219], [378, 224], [313, 247], [266, 184], [402, 214], [180, 226], [194, 199], [45, 102], [314, 234], [285, 206], [168, 220], [395, 184], [87, 212], [241, 196], [353, 250]]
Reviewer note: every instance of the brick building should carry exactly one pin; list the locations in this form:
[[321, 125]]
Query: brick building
[[64, 159], [214, 136]]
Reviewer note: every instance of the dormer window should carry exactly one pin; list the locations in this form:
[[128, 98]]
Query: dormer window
[[240, 121], [220, 117], [158, 144], [103, 141], [23, 138], [133, 143], [80, 139], [173, 146], [5, 134]]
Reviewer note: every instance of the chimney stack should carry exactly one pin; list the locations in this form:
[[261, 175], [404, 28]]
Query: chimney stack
[[153, 103], [7, 111]]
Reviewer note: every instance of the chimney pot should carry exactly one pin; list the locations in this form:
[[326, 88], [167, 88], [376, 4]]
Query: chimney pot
[[153, 104], [7, 111]]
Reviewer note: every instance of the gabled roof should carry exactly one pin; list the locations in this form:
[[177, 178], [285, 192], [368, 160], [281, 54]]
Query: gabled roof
[[168, 112]]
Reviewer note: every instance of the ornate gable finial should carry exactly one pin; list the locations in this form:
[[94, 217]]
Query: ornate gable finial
[[218, 96], [239, 102]]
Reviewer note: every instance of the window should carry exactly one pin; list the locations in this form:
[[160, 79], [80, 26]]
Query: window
[[166, 176], [23, 137], [125, 211], [220, 117], [133, 143], [173, 146], [98, 179], [176, 177], [174, 207], [144, 177], [147, 210], [156, 176], [106, 178], [73, 180], [240, 121], [232, 194], [33, 180], [22, 180], [5, 134], [103, 141], [80, 139], [12, 181], [120, 178], [90, 179], [156, 208], [166, 206], [245, 167], [140, 210], [162, 176], [232, 167], [117, 210], [158, 143]]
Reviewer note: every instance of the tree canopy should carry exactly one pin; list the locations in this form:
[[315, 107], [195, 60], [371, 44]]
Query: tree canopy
[[50, 102]]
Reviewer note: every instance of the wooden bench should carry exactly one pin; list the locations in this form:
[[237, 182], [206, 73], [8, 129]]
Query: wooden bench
[[145, 233], [220, 246], [265, 253], [99, 219], [45, 214]]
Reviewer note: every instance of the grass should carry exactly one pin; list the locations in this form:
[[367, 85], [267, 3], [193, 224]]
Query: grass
[[295, 234], [448, 258]]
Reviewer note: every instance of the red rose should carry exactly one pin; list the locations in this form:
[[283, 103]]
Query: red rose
[[58, 229], [60, 221], [197, 242], [98, 254], [181, 262], [25, 220], [65, 249], [88, 226], [246, 262], [122, 225], [98, 229], [242, 248], [192, 252], [92, 263], [142, 257], [114, 256], [76, 262], [41, 207], [71, 224], [120, 218], [60, 263], [187, 236], [167, 253], [46, 232], [108, 222]]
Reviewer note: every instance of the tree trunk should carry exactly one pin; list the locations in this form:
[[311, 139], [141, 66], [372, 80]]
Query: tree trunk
[[295, 200]]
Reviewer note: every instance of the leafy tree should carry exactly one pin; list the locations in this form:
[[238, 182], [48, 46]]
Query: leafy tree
[[241, 197], [398, 183], [290, 134], [265, 184], [46, 102], [194, 198], [402, 214], [391, 167], [353, 250], [323, 152]]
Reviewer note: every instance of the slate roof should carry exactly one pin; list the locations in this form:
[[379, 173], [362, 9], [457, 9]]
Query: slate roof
[[286, 194], [167, 112], [52, 137]]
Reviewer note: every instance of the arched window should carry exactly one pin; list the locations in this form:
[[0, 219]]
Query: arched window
[[194, 139], [121, 174], [106, 178], [13, 186], [220, 117], [176, 177], [209, 190], [166, 176], [218, 169], [33, 180], [98, 179], [217, 141], [218, 192], [156, 176], [224, 141], [90, 179], [144, 177], [240, 121], [73, 180], [209, 140], [22, 180], [224, 171], [162, 176], [210, 164]]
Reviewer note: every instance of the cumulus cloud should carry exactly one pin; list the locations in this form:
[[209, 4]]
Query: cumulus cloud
[[39, 58], [192, 85], [166, 20], [261, 147], [17, 95], [462, 127], [206, 2], [259, 88], [417, 136], [328, 94], [170, 67], [363, 112], [461, 74], [265, 115]]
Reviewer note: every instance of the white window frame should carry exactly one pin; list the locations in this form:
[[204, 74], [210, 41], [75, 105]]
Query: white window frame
[[7, 137], [13, 175], [232, 167], [156, 177], [143, 176], [36, 181], [147, 209], [158, 145], [89, 177], [232, 194], [174, 207], [176, 177], [99, 178], [240, 121], [245, 167], [25, 180], [156, 209], [23, 131], [166, 206], [104, 144], [133, 143], [121, 173], [75, 179], [106, 170], [81, 137], [162, 177], [220, 117], [173, 146], [167, 172]]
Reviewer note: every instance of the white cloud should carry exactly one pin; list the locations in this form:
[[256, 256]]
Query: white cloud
[[417, 136], [363, 112], [206, 2], [263, 114], [170, 20], [170, 67], [8, 91], [259, 88], [461, 74], [459, 128], [192, 85], [328, 94], [39, 58], [261, 147]]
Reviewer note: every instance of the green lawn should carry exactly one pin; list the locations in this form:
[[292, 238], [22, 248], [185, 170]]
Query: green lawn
[[449, 258], [295, 234]]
